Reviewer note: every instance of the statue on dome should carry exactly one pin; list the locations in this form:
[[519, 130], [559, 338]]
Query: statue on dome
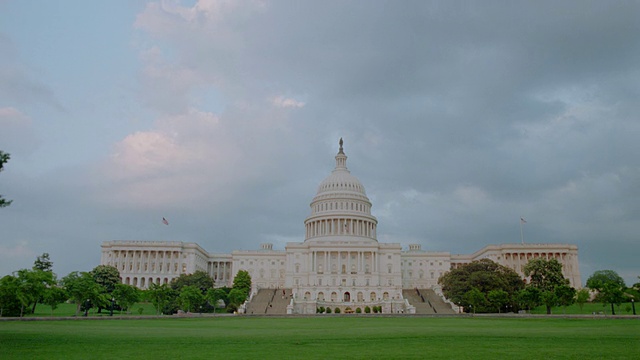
[[340, 142]]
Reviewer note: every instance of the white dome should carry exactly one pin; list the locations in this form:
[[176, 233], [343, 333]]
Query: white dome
[[341, 211], [340, 182]]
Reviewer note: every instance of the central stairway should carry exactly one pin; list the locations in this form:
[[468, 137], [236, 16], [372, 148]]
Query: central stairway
[[270, 302], [426, 301]]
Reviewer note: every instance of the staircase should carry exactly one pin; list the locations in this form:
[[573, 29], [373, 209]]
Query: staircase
[[418, 301], [279, 302], [269, 301], [426, 301], [436, 302]]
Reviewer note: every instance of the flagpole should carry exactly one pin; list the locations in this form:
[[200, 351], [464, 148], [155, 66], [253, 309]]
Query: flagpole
[[522, 221]]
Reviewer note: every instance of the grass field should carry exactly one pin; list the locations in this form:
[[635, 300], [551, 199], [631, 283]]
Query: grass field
[[70, 310], [148, 309], [322, 337], [588, 308]]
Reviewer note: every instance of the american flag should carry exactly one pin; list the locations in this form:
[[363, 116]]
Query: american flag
[[164, 221], [523, 221]]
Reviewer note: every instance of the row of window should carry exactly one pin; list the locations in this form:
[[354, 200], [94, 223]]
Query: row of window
[[145, 282], [346, 296], [148, 254], [146, 267], [328, 206]]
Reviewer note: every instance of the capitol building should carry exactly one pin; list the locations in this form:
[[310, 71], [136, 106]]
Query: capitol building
[[340, 263]]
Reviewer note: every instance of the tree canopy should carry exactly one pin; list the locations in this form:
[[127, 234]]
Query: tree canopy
[[200, 279], [107, 276], [9, 303], [546, 276], [162, 297], [83, 289], [125, 295], [4, 158], [484, 276], [43, 263], [242, 282], [191, 299], [610, 287], [32, 285]]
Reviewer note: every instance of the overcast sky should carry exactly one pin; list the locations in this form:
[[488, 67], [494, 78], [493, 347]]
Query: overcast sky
[[224, 116]]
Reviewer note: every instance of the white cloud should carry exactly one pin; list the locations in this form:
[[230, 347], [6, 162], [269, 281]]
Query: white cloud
[[284, 102], [171, 164]]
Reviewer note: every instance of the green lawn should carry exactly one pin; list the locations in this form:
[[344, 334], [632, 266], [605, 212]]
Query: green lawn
[[148, 309], [588, 308], [70, 310], [343, 336]]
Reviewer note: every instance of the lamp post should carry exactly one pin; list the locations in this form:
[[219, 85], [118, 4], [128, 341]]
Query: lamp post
[[86, 307], [112, 302], [633, 305]]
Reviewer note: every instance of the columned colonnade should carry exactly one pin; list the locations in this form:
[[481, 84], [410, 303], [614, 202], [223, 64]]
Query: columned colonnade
[[220, 271], [344, 226], [344, 262], [151, 266], [518, 260]]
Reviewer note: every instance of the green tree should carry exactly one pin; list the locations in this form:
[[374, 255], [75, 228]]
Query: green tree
[[43, 263], [484, 275], [9, 303], [242, 282], [191, 298], [199, 279], [83, 290], [475, 299], [548, 299], [214, 296], [53, 296], [565, 295], [4, 158], [31, 287], [237, 297], [107, 276], [582, 296], [162, 297], [125, 296], [529, 298], [498, 299], [545, 275], [610, 287]]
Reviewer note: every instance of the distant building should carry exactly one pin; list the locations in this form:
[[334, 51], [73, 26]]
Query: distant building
[[340, 262]]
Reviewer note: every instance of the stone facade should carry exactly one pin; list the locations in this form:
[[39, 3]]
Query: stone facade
[[339, 264]]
